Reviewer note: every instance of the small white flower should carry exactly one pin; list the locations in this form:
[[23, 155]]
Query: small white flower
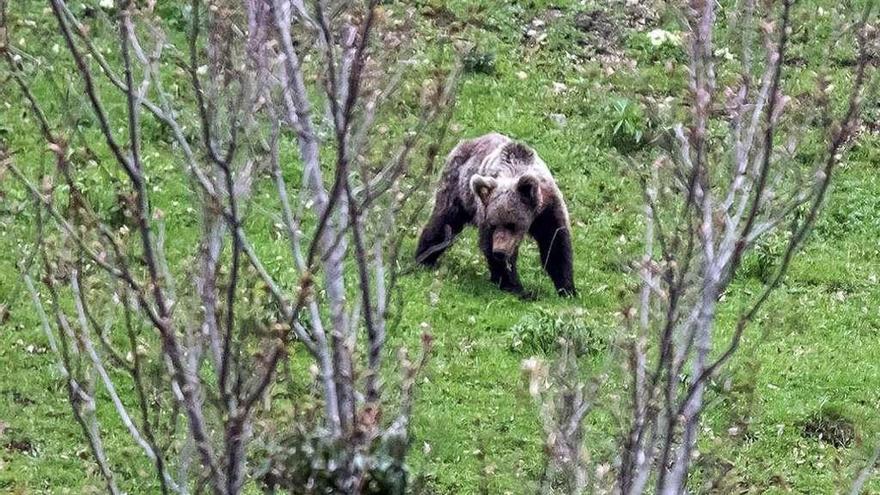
[[725, 54], [660, 36], [202, 70], [106, 4]]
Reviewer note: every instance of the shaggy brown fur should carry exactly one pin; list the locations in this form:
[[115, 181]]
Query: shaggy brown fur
[[507, 191]]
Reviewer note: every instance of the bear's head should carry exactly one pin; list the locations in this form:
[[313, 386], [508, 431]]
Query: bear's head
[[510, 205]]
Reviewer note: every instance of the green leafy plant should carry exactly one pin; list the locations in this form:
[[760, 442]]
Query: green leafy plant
[[542, 333], [627, 127], [308, 462]]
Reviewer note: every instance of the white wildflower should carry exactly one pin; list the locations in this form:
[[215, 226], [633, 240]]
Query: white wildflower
[[661, 36], [725, 54]]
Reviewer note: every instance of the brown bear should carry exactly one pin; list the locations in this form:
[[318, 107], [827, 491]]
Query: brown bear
[[506, 190]]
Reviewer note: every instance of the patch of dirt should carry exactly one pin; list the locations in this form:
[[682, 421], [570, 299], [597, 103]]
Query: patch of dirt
[[830, 426], [440, 15], [795, 61], [602, 35], [551, 15], [19, 446], [397, 27], [19, 398], [596, 33], [640, 14], [447, 20]]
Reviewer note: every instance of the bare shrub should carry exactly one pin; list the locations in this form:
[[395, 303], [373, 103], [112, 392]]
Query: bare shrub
[[729, 177], [210, 330]]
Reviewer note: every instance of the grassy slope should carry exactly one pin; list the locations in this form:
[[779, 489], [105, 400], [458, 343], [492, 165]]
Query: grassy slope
[[474, 428]]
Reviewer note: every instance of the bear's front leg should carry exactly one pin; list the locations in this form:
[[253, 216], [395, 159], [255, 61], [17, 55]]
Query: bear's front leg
[[550, 229], [502, 271], [444, 226]]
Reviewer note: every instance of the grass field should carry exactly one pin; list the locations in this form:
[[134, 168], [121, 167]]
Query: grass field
[[556, 75]]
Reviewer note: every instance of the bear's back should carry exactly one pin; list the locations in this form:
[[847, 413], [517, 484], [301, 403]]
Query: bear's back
[[485, 155]]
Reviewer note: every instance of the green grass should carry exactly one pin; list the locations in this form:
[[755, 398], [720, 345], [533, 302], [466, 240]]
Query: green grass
[[475, 428]]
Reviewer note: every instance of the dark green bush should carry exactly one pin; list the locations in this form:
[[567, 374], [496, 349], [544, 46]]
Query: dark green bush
[[477, 62]]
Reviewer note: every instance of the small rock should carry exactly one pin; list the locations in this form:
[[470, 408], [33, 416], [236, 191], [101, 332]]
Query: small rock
[[560, 120], [522, 76]]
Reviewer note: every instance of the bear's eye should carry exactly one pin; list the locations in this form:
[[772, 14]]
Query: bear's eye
[[510, 226]]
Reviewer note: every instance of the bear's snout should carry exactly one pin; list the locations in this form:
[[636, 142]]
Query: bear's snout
[[503, 243]]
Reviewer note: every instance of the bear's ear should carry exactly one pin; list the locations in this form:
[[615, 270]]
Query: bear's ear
[[483, 187], [517, 153], [529, 190]]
